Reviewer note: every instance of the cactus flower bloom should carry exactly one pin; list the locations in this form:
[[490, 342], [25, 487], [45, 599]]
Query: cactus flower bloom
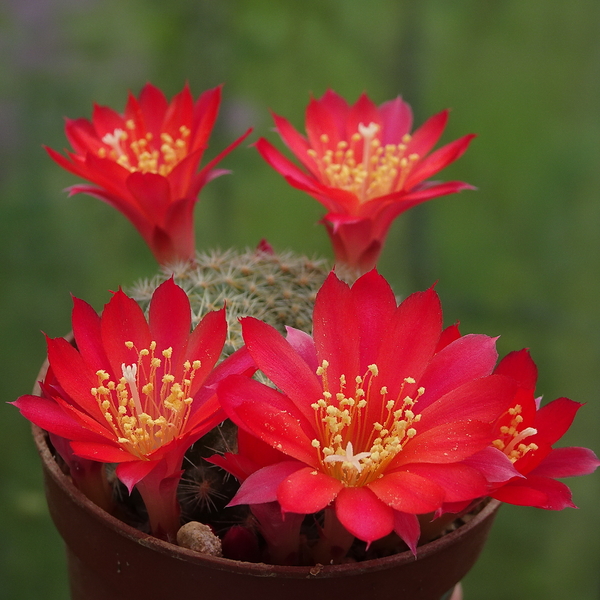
[[144, 163], [137, 393], [364, 165], [374, 421], [526, 434]]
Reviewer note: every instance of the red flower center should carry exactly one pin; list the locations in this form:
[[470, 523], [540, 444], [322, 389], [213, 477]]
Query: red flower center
[[513, 435], [137, 151], [342, 427], [142, 413], [369, 173]]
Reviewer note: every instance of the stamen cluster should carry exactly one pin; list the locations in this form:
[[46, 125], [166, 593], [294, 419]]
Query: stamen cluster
[[141, 153], [145, 415], [343, 425], [381, 170], [512, 441]]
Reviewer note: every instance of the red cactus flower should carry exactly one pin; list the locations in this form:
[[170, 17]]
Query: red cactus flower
[[363, 164], [526, 434], [137, 393], [374, 422], [144, 163]]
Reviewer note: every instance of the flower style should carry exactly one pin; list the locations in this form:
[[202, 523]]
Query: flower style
[[144, 163], [363, 164], [374, 421], [526, 434], [137, 393]]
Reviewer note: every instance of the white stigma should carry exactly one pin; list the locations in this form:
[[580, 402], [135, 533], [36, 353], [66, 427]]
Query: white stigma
[[349, 457], [114, 140], [130, 376]]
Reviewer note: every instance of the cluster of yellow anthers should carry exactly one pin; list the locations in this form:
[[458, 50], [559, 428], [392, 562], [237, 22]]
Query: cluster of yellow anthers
[[512, 445], [383, 169], [149, 159], [142, 414], [341, 425]]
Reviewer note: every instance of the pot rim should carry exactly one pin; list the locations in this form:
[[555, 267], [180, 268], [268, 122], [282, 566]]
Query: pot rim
[[242, 567]]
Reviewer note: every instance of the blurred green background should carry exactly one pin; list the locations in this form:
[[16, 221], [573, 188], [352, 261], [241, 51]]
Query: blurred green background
[[519, 258]]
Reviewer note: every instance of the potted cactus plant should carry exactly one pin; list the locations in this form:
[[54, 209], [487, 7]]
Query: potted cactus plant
[[254, 421]]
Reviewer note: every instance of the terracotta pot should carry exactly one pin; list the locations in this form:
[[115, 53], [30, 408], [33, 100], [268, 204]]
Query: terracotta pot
[[109, 560]]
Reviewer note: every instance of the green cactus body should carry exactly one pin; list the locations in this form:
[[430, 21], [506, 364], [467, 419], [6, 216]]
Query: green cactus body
[[279, 289]]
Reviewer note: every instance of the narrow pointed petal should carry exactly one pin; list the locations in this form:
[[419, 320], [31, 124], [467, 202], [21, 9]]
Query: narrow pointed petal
[[408, 529], [277, 359], [131, 473], [262, 485], [541, 492], [439, 160], [567, 462], [553, 419]]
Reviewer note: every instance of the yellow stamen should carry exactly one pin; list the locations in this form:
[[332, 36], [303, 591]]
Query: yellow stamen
[[382, 170], [342, 427], [135, 151], [143, 415]]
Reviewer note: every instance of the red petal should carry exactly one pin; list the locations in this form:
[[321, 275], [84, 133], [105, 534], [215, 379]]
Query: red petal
[[410, 340], [153, 106], [363, 514], [268, 415], [408, 492], [408, 529], [452, 442], [86, 329], [304, 345], [397, 120], [296, 142], [152, 193], [123, 321], [326, 116], [567, 462], [82, 136], [307, 491], [336, 332], [553, 419], [206, 344], [170, 319], [469, 357], [48, 415], [131, 473], [427, 136], [493, 464], [276, 358], [483, 399], [375, 304], [74, 375], [541, 492], [437, 161], [520, 366], [449, 335], [459, 481], [102, 452], [363, 111], [205, 115], [262, 485], [106, 120]]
